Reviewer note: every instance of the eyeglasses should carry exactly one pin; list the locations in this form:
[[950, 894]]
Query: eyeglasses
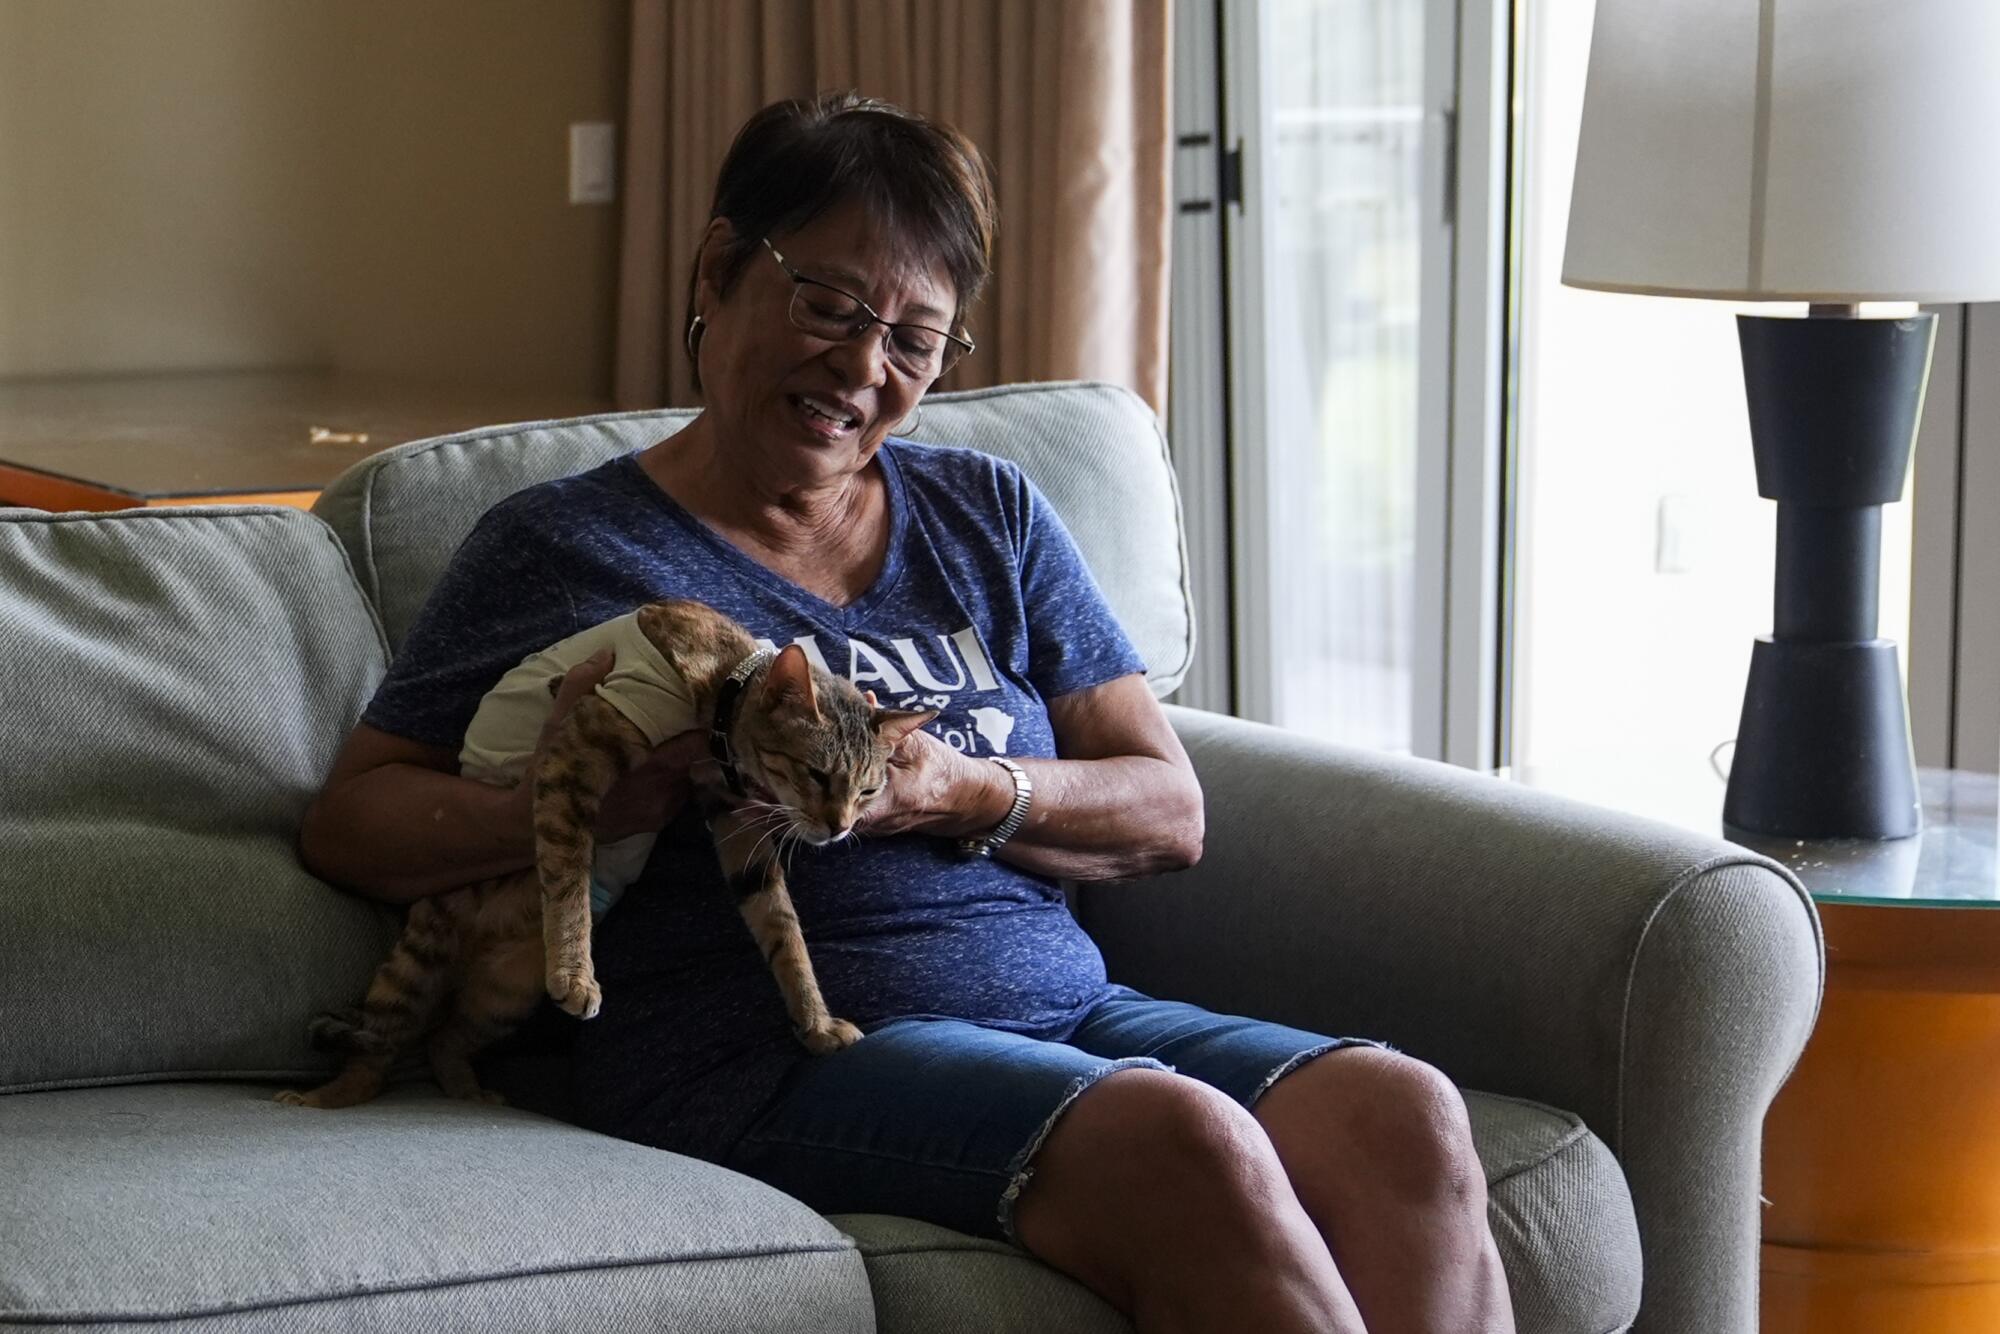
[[917, 351]]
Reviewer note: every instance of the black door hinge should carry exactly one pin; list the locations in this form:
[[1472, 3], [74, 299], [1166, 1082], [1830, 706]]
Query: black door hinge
[[1229, 175]]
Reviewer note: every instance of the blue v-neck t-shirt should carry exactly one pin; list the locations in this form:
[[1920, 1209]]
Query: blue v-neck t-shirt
[[983, 610]]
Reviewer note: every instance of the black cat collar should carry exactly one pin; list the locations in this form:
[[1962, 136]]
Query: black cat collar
[[726, 701]]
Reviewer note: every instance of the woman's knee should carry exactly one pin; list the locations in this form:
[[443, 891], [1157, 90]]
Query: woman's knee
[[1163, 1194], [1161, 1132], [1138, 1150], [1406, 1120]]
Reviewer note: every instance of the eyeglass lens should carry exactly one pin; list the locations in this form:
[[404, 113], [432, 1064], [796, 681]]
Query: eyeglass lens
[[829, 313]]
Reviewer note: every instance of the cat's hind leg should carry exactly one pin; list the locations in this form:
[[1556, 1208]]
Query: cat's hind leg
[[501, 986], [358, 1082], [401, 1001], [451, 1049]]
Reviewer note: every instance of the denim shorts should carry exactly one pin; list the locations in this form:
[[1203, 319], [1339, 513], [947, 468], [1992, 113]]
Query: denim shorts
[[939, 1119]]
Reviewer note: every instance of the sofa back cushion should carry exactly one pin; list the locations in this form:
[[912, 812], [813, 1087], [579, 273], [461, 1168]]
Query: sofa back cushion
[[177, 682], [1095, 450]]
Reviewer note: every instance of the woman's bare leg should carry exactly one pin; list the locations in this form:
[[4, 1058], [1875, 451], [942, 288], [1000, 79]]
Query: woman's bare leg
[[1379, 1151], [1167, 1199]]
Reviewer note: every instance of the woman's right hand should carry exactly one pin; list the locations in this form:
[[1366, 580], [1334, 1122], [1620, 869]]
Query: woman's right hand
[[648, 798]]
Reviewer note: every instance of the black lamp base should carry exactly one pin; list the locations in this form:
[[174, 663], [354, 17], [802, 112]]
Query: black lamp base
[[1823, 750]]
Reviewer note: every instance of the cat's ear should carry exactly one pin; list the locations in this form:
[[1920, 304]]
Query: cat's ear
[[869, 695], [892, 725], [790, 680]]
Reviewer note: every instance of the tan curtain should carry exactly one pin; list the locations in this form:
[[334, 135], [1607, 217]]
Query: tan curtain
[[1069, 100]]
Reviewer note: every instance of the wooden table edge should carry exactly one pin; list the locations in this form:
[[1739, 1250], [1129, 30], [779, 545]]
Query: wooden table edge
[[49, 491]]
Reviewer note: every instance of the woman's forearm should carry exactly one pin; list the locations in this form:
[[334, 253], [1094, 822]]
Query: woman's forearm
[[1106, 819], [401, 832]]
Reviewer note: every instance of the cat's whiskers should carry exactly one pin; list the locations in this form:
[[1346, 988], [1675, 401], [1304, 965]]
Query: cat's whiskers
[[762, 814], [762, 810], [791, 835], [743, 828], [775, 815], [750, 857], [789, 841]]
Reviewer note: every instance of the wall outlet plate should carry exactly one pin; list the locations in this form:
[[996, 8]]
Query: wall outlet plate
[[593, 162]]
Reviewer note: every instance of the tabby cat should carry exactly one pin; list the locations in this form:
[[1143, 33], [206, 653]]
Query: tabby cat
[[799, 754]]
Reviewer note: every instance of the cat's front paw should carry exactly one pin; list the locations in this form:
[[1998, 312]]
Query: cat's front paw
[[576, 991], [829, 1037]]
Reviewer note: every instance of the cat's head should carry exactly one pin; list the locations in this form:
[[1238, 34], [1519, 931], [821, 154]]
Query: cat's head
[[817, 745]]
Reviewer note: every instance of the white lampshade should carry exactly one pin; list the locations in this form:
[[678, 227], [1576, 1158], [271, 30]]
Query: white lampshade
[[1791, 150]]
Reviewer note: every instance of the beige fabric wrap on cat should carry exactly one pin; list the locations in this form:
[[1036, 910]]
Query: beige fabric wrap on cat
[[643, 686]]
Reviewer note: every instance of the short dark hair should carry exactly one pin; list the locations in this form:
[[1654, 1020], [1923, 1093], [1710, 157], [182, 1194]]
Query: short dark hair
[[797, 159]]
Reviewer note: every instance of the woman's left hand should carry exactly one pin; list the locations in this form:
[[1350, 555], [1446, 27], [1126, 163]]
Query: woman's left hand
[[1122, 801], [934, 789]]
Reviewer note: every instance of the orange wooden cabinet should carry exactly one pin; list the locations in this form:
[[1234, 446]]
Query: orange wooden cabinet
[[1882, 1153]]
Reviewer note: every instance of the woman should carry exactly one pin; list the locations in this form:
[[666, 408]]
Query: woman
[[1280, 1180]]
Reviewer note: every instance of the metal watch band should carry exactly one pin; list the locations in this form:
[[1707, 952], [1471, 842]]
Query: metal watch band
[[982, 845]]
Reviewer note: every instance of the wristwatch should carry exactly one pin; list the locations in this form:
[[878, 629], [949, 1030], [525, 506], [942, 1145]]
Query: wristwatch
[[982, 845]]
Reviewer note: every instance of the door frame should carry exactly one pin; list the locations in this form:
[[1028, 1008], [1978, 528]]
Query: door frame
[[1456, 664]]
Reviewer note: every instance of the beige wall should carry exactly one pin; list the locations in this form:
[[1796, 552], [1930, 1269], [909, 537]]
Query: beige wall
[[372, 185]]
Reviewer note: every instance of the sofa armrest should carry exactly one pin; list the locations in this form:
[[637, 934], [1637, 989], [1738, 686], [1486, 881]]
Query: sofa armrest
[[1658, 983]]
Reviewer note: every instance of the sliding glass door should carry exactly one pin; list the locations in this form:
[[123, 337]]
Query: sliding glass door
[[1342, 249], [1337, 152], [1439, 503]]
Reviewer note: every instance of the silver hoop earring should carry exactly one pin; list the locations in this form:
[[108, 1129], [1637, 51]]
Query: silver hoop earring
[[695, 327]]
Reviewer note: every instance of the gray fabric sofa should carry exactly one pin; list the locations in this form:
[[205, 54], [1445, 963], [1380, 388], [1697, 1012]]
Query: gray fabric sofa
[[1622, 998]]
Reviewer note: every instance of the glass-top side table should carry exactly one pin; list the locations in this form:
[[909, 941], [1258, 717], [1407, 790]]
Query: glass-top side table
[[1882, 1151], [1952, 863], [1949, 864]]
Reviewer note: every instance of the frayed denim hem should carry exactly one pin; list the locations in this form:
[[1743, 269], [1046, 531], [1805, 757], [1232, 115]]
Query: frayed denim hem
[[1309, 1054], [1022, 1168]]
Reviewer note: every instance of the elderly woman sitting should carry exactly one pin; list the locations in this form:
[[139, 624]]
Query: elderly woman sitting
[[1200, 1171]]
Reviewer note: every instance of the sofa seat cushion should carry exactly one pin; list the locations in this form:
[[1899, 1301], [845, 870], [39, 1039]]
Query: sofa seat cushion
[[1561, 1214], [928, 1278], [1558, 1208], [211, 1203]]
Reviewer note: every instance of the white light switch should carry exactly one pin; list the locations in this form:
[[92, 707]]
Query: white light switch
[[1705, 534], [1678, 543], [593, 148]]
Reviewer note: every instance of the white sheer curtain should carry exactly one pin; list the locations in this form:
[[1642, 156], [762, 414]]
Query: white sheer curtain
[[1346, 115]]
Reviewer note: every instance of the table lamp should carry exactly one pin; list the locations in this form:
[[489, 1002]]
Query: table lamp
[[1829, 152]]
